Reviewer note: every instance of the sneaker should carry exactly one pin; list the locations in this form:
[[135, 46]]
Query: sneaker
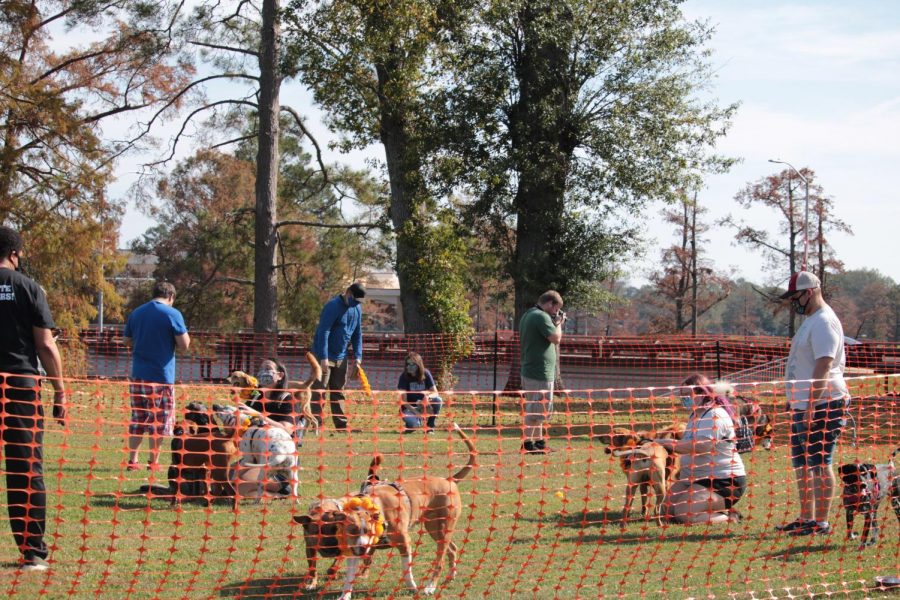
[[152, 466], [734, 516], [812, 528], [794, 525], [132, 466], [35, 563], [429, 432], [530, 447]]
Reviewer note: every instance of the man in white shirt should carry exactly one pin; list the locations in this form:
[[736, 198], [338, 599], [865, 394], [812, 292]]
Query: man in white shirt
[[818, 397]]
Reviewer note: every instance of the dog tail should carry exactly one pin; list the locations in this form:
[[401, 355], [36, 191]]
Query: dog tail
[[374, 466], [315, 374], [464, 472]]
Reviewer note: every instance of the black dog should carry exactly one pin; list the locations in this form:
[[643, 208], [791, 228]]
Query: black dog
[[865, 486]]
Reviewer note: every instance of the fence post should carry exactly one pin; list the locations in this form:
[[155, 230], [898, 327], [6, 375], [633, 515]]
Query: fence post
[[718, 361], [494, 388]]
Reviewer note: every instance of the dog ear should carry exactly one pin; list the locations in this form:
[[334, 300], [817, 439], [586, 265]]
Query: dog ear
[[303, 519], [604, 438]]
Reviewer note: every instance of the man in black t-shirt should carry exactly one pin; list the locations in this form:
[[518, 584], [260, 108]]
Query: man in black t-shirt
[[26, 336]]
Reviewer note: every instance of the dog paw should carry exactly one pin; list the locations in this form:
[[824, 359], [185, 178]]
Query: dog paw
[[345, 596], [429, 590], [851, 536]]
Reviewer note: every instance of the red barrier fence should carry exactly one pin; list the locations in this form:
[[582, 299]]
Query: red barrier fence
[[530, 525]]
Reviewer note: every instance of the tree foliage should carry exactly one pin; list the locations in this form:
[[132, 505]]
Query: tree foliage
[[371, 64], [784, 249], [205, 210], [569, 117], [58, 92], [687, 284]]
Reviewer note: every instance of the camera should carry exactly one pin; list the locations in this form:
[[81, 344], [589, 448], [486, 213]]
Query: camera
[[559, 318]]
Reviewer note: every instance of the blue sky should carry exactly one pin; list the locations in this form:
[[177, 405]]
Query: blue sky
[[819, 87]]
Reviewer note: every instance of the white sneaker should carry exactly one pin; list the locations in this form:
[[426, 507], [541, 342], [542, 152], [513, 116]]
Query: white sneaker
[[35, 563]]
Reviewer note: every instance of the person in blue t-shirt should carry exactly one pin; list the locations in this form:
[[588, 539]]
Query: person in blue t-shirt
[[340, 326], [155, 330], [419, 395]]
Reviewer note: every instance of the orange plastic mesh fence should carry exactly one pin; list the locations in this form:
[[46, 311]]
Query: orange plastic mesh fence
[[529, 525]]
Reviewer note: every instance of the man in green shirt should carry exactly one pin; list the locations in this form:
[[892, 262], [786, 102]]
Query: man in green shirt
[[540, 331]]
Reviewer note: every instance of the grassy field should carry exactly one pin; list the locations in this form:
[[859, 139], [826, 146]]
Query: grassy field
[[532, 526]]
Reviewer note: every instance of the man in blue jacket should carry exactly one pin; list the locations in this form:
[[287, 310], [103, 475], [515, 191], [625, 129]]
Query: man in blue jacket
[[340, 325]]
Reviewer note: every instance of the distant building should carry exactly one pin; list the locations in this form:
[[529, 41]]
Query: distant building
[[383, 311]]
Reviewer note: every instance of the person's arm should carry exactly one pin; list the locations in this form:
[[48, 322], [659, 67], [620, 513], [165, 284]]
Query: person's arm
[[356, 340], [46, 349], [183, 341], [323, 331]]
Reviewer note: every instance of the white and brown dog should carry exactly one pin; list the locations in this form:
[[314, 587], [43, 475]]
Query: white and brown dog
[[265, 444], [381, 516]]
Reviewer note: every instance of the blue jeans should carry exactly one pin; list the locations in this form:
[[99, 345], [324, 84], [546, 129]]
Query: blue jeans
[[411, 412], [813, 442]]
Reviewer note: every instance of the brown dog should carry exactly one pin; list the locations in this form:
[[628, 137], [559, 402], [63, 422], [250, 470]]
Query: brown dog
[[200, 457], [646, 465], [353, 527]]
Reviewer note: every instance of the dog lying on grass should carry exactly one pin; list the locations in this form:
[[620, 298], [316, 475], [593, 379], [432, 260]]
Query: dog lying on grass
[[865, 486], [646, 464], [381, 516]]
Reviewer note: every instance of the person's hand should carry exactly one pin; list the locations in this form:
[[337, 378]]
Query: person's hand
[[60, 411]]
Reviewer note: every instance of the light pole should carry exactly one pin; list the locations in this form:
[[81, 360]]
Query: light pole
[[806, 219]]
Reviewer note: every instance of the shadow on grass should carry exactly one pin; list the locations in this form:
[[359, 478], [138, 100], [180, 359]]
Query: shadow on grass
[[139, 499], [292, 587], [797, 552]]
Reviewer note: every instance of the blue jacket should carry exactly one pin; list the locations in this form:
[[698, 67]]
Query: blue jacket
[[339, 326]]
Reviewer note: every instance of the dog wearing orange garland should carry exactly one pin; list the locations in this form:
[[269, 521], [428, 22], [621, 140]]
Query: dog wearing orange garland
[[352, 527]]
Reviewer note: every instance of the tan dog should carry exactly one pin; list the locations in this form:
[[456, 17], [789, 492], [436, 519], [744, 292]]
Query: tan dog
[[646, 464], [340, 528]]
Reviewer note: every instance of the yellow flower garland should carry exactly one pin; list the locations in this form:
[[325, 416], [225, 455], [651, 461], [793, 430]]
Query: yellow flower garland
[[367, 504]]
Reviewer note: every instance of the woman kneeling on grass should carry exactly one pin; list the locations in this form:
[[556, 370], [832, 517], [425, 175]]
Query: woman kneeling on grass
[[712, 477], [418, 395]]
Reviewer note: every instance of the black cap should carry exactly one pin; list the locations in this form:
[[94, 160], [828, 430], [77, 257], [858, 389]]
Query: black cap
[[357, 290]]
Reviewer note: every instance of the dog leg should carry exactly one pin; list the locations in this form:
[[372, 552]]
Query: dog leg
[[407, 571], [867, 526], [347, 589], [895, 497], [629, 498], [850, 534], [311, 581], [645, 501]]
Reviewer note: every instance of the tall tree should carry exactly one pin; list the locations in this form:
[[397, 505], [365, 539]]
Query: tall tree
[[868, 304], [783, 249], [58, 93], [372, 65], [570, 116], [687, 281]]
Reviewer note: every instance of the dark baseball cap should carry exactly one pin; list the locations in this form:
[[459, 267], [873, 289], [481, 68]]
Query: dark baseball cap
[[357, 290]]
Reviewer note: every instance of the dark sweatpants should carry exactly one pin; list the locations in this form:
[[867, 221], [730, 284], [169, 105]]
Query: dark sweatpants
[[334, 379], [23, 447]]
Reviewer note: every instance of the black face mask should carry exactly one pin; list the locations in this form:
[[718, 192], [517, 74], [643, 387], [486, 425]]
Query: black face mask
[[800, 309], [20, 265]]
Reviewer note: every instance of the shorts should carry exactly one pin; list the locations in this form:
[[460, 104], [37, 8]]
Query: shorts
[[152, 408], [538, 398], [730, 488], [813, 443]]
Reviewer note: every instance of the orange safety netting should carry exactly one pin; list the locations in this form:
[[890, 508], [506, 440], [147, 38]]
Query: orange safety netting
[[529, 525]]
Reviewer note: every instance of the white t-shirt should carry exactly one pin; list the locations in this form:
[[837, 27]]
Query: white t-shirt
[[712, 423], [819, 335]]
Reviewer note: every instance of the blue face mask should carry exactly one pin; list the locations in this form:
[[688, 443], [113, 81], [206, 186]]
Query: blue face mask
[[687, 402]]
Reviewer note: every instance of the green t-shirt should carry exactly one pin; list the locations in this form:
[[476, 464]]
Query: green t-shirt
[[538, 354]]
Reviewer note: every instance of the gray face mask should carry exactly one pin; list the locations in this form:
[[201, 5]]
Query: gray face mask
[[265, 378]]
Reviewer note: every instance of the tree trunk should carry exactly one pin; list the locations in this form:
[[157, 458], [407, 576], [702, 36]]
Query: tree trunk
[[265, 306], [404, 174]]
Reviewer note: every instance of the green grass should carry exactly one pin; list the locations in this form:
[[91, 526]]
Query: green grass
[[518, 538]]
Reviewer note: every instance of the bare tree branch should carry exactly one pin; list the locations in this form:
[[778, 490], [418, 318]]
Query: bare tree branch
[[328, 225], [226, 48]]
